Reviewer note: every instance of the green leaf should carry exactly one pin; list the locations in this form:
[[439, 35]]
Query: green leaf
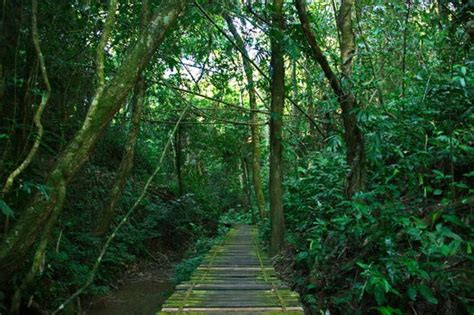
[[427, 294], [470, 174], [379, 295], [448, 233], [309, 298], [466, 148], [445, 250], [337, 300], [301, 256], [412, 293], [44, 191], [461, 185], [387, 310], [453, 219], [362, 265], [386, 285], [301, 169], [6, 210], [439, 174], [423, 274]]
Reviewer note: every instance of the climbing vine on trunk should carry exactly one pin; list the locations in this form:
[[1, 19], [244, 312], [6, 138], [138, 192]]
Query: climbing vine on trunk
[[353, 136]]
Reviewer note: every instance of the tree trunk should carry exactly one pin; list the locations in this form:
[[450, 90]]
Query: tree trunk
[[42, 213], [294, 91], [126, 164], [404, 47], [355, 155], [354, 137], [311, 110], [277, 220], [255, 130], [178, 148], [246, 171]]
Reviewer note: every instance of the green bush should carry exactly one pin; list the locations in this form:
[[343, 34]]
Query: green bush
[[386, 250]]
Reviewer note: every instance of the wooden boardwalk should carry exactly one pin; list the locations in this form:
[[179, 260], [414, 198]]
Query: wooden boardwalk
[[235, 277]]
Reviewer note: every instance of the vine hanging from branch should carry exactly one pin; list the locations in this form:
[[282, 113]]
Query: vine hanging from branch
[[39, 111]]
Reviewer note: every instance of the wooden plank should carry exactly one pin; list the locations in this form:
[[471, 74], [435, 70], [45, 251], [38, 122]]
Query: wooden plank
[[226, 269], [237, 281], [225, 281], [229, 286], [250, 310], [235, 277]]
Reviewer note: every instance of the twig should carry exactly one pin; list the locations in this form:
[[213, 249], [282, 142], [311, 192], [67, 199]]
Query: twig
[[213, 99], [59, 240], [199, 113]]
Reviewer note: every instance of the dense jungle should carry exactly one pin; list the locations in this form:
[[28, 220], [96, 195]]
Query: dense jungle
[[135, 134]]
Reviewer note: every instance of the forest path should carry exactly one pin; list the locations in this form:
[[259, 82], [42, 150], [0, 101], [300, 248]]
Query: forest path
[[235, 277]]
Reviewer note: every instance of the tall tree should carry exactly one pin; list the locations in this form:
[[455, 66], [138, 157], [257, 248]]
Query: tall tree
[[126, 164], [254, 128], [277, 66], [353, 136], [42, 213]]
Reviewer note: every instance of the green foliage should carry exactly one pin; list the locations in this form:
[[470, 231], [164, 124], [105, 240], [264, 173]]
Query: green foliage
[[377, 249], [6, 210], [163, 222], [232, 216], [160, 225], [408, 238]]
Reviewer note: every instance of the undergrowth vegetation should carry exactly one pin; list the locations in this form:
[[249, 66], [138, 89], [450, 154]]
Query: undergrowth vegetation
[[164, 224], [406, 244]]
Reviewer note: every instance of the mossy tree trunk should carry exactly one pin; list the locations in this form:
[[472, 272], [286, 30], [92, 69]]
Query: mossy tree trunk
[[42, 213], [353, 136], [254, 129], [277, 65]]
